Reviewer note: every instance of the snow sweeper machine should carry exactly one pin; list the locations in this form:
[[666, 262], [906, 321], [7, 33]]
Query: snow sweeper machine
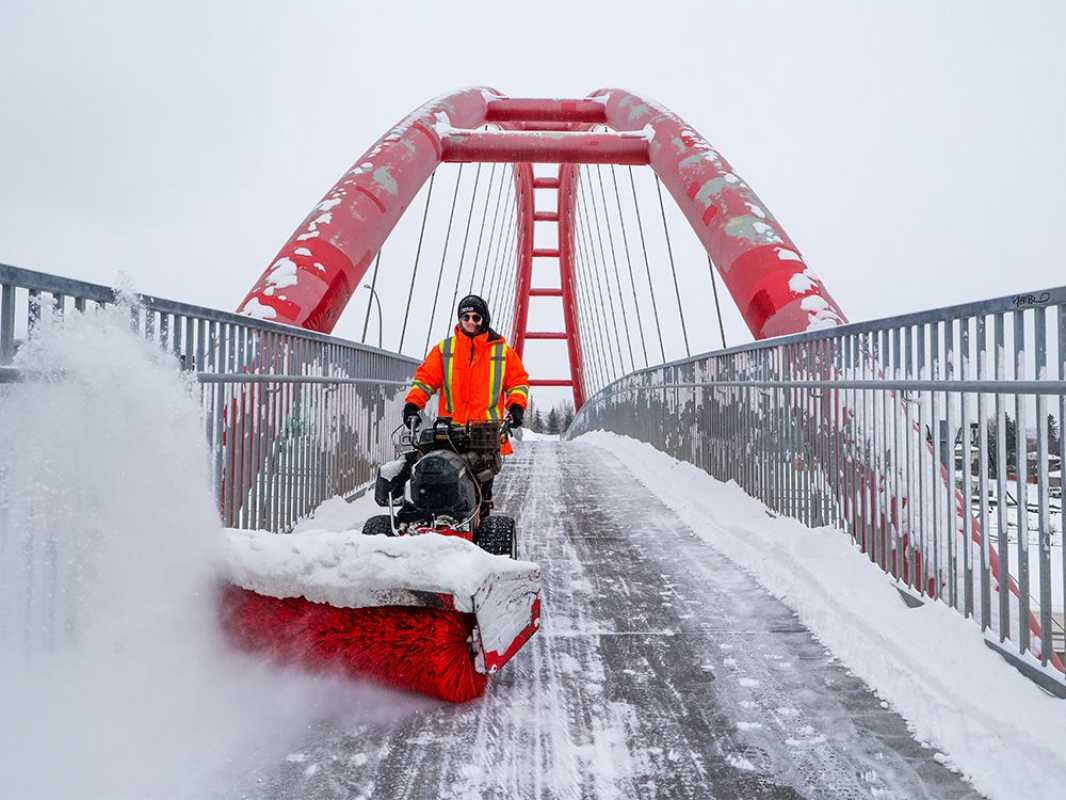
[[430, 597]]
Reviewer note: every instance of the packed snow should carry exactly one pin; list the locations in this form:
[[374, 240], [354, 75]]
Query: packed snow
[[999, 729], [348, 570]]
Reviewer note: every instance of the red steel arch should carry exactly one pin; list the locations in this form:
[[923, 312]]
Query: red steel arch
[[313, 276]]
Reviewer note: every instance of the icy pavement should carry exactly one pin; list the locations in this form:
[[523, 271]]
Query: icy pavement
[[662, 671]]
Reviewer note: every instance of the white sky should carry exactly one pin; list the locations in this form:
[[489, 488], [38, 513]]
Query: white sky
[[913, 150]]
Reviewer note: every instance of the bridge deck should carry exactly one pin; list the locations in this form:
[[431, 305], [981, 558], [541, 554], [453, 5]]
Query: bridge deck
[[660, 672]]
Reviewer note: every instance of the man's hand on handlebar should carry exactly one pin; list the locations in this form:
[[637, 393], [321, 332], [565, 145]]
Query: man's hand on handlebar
[[411, 417], [516, 413]]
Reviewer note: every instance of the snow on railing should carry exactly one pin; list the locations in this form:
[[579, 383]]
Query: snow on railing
[[915, 435]]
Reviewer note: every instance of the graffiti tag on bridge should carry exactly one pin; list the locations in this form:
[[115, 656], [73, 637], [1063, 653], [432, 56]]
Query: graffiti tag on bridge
[[1031, 299]]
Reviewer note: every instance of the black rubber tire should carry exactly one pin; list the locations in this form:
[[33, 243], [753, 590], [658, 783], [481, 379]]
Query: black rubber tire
[[497, 535], [378, 525]]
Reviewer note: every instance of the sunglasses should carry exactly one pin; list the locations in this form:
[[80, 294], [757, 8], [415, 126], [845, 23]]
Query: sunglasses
[[471, 317]]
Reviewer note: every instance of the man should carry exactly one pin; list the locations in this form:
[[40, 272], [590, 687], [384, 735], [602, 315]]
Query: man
[[477, 374]]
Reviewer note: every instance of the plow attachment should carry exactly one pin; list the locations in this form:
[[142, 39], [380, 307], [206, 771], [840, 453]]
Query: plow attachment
[[430, 613]]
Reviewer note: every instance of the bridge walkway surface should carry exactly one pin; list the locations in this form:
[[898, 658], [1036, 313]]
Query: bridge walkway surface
[[661, 671]]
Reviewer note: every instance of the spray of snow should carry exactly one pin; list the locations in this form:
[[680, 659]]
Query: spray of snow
[[115, 680]]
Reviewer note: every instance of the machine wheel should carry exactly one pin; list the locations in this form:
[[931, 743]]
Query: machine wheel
[[496, 535], [378, 525]]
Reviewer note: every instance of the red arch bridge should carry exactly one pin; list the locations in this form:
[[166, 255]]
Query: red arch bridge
[[615, 219]]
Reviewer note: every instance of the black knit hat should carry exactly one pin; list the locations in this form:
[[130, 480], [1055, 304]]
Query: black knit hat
[[473, 303]]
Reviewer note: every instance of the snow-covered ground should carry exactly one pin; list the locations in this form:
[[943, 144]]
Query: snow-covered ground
[[1001, 731], [116, 683]]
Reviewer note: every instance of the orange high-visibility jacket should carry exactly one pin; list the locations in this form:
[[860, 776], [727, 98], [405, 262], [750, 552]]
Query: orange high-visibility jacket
[[477, 377]]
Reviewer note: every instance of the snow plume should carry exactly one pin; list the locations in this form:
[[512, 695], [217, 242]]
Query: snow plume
[[115, 682]]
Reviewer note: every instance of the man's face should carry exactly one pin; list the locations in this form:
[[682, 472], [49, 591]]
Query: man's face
[[470, 321]]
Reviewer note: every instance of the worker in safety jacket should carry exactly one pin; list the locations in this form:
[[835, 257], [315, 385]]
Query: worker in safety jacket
[[476, 373]]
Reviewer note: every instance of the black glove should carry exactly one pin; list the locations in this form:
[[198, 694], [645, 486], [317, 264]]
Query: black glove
[[517, 414], [411, 415]]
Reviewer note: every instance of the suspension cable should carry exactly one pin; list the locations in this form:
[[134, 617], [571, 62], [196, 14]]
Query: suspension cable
[[443, 258], [496, 246], [492, 238], [498, 277], [512, 274], [510, 293], [647, 265], [418, 254], [490, 294], [585, 310], [616, 369], [484, 219], [370, 302], [614, 261], [512, 280], [602, 262], [466, 237], [717, 308], [588, 350], [506, 328], [594, 280], [597, 324], [500, 296], [673, 268], [506, 308], [629, 263], [584, 271]]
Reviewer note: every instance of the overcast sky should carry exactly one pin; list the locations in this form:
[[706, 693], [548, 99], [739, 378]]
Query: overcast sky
[[914, 151]]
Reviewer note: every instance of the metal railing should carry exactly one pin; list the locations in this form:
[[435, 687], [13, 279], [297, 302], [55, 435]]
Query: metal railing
[[292, 417], [933, 439]]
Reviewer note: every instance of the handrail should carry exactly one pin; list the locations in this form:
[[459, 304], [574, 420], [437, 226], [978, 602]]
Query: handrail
[[32, 280], [1005, 303], [292, 417], [906, 432]]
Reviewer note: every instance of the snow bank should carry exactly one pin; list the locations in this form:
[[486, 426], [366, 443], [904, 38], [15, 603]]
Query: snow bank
[[1002, 732], [115, 680], [349, 570]]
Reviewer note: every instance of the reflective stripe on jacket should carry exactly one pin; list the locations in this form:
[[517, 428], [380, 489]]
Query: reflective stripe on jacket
[[478, 377]]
